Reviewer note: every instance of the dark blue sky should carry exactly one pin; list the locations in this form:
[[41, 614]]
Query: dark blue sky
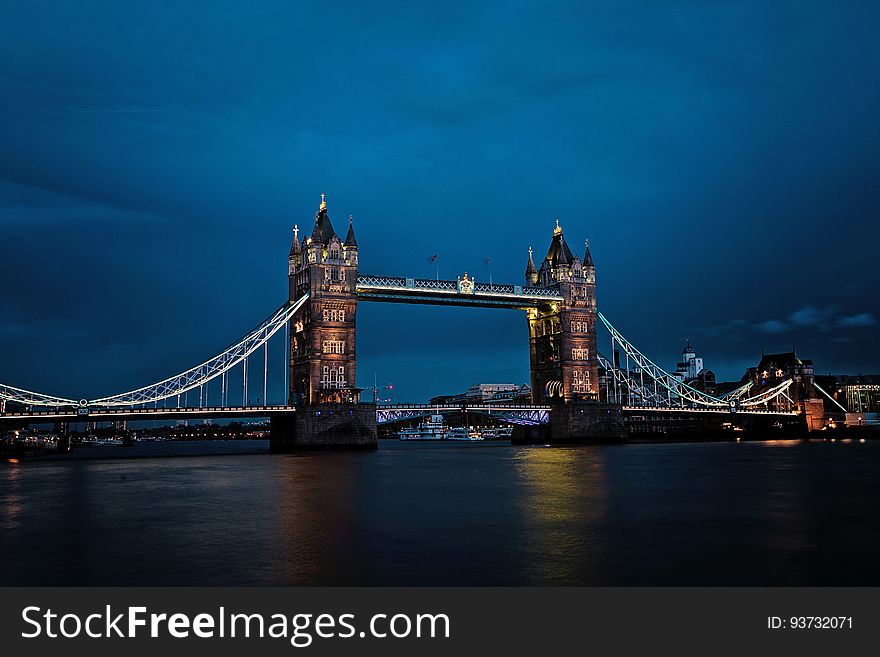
[[723, 159]]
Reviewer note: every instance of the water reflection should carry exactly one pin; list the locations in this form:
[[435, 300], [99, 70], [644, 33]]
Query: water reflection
[[316, 512], [564, 508], [428, 514], [12, 496]]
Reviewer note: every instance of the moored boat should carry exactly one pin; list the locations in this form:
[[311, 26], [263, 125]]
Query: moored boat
[[463, 433], [432, 428], [496, 433]]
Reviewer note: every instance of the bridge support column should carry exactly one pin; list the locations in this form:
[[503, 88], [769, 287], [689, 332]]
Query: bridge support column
[[581, 422], [325, 426], [814, 414], [587, 422], [323, 366], [562, 334]]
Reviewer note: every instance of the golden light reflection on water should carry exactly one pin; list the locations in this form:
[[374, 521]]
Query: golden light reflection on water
[[794, 442], [316, 513], [564, 488], [782, 513], [12, 506]]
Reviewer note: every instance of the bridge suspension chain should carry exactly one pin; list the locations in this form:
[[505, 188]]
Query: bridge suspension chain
[[180, 384], [738, 393], [675, 392], [679, 389], [30, 398], [643, 394], [215, 367], [767, 396]]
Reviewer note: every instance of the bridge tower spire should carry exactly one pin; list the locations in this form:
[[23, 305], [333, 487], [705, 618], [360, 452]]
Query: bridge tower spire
[[322, 335], [294, 259], [562, 352], [531, 271]]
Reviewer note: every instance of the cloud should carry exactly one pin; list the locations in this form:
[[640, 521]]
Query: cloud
[[773, 326], [859, 319], [823, 319], [812, 316], [443, 132]]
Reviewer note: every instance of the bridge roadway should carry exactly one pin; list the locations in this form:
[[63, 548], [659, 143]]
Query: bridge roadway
[[516, 413], [528, 413], [678, 409], [148, 414]]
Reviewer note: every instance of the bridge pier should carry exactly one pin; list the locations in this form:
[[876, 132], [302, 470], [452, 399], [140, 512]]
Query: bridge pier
[[325, 426], [578, 422], [814, 414], [584, 421]]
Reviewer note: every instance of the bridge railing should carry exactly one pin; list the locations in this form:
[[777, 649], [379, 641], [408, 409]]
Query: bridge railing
[[381, 281], [494, 288], [522, 414], [696, 409], [431, 285], [540, 292], [160, 410]]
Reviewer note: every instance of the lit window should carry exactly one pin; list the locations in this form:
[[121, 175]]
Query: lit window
[[580, 380], [333, 377], [334, 346]]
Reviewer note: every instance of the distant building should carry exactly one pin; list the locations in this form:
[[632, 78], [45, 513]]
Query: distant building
[[859, 394], [773, 369], [705, 381], [488, 392], [519, 395], [690, 370], [690, 365]]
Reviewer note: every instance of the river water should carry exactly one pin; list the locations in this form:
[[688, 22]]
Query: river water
[[774, 513]]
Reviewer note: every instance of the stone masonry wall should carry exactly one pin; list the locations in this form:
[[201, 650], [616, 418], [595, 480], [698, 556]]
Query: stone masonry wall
[[325, 426]]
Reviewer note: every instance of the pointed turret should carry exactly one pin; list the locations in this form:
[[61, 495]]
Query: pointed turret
[[559, 253], [531, 272], [350, 240], [588, 258], [323, 231], [295, 258], [564, 253], [295, 248]]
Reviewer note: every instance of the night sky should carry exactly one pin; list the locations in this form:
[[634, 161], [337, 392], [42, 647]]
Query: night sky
[[722, 158]]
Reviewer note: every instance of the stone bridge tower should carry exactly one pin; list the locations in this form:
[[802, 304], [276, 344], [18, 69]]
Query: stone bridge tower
[[322, 333], [562, 337]]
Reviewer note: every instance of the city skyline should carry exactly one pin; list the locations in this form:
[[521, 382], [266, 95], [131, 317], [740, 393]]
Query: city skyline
[[725, 183]]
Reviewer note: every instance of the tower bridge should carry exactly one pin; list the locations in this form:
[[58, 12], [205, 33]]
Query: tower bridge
[[577, 393]]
